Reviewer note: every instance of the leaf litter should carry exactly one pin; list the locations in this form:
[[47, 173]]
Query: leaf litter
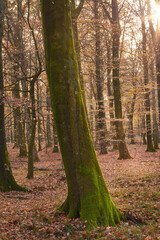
[[134, 185]]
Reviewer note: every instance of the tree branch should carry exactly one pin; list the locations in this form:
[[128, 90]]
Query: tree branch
[[151, 28], [107, 13], [76, 11], [34, 38]]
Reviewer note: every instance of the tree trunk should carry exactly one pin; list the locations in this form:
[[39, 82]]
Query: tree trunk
[[101, 127], [157, 52], [48, 102], [33, 131], [7, 181], [110, 96], [55, 139], [39, 120], [88, 197], [17, 43], [19, 132], [77, 46], [154, 113], [123, 150], [156, 45], [144, 130], [131, 119], [35, 154], [150, 147]]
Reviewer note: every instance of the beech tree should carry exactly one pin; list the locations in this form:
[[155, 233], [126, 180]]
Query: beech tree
[[88, 196], [150, 147], [7, 181], [99, 80], [15, 54], [116, 33]]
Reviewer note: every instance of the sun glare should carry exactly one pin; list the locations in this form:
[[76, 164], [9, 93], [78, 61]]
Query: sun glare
[[156, 14], [157, 11]]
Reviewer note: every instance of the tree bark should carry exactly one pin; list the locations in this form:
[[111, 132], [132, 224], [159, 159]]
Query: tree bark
[[48, 103], [75, 16], [101, 127], [123, 150], [158, 65], [131, 118], [55, 139], [7, 181], [38, 113], [156, 45], [153, 104], [150, 147], [110, 94], [88, 197], [33, 131], [143, 127], [16, 41]]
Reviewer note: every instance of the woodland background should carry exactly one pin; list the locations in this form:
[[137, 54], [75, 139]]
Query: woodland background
[[134, 56]]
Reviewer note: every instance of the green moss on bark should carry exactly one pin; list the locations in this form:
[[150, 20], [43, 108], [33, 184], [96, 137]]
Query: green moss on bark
[[88, 197], [7, 181]]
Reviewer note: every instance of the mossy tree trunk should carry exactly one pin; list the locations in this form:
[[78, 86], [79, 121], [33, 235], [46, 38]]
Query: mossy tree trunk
[[7, 181], [123, 150], [88, 197], [150, 147], [75, 11]]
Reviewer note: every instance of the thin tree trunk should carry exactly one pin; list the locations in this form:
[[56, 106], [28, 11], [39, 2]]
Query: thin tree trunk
[[150, 147], [156, 45], [110, 95], [123, 150], [55, 139], [154, 113], [33, 131], [144, 130], [131, 119], [39, 120], [48, 102], [158, 66], [101, 127]]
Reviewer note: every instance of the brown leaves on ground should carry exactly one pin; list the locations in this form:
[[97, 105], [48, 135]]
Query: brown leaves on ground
[[134, 185]]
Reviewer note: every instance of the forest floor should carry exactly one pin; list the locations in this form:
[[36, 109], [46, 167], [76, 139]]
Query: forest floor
[[134, 185]]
